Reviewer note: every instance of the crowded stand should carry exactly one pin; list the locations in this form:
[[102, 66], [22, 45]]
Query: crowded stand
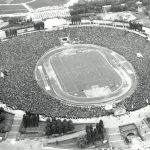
[[20, 54]]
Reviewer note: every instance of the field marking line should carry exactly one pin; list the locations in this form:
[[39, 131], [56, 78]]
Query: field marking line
[[47, 87]]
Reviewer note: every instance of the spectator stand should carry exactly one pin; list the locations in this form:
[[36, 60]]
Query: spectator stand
[[61, 24], [93, 25]]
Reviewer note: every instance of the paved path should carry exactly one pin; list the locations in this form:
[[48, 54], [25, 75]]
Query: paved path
[[13, 134], [65, 137]]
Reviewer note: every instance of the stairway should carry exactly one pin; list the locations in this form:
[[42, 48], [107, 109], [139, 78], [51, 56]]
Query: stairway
[[15, 128]]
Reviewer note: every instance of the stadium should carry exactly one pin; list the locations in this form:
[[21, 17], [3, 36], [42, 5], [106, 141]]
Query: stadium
[[31, 87], [74, 74]]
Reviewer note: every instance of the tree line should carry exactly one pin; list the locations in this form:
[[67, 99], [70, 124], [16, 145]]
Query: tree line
[[39, 25], [76, 19], [30, 120], [135, 26], [56, 126], [15, 20], [2, 117], [84, 8], [118, 8], [97, 6], [92, 135], [11, 33]]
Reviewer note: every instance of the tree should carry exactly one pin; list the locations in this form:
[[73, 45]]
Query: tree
[[39, 25], [96, 136], [103, 133], [53, 129], [48, 120], [82, 142], [11, 33], [70, 125], [89, 137], [76, 19], [145, 2], [48, 131], [97, 127], [92, 133], [14, 20], [59, 127], [87, 128], [135, 26], [1, 110], [65, 126], [37, 120], [53, 119], [30, 120], [24, 121], [101, 124], [2, 117], [146, 12], [116, 8]]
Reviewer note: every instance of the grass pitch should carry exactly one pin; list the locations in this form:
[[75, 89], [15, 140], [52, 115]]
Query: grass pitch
[[80, 70]]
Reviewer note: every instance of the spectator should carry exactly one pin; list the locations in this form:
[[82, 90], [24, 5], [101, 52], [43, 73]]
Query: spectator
[[19, 56]]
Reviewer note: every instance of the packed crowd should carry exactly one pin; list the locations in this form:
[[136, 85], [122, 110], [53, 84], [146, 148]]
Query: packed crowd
[[19, 56]]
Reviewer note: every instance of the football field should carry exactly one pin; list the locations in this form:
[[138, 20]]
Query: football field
[[85, 74], [79, 71]]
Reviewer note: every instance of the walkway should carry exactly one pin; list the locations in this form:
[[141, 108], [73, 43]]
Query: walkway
[[14, 133], [65, 137]]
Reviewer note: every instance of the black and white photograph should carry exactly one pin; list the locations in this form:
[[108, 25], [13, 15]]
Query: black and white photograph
[[74, 74]]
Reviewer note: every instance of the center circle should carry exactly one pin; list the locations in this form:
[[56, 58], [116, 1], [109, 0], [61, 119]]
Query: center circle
[[85, 74]]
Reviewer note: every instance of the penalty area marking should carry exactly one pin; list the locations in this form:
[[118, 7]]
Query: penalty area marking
[[47, 87]]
